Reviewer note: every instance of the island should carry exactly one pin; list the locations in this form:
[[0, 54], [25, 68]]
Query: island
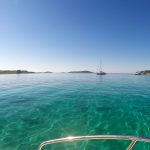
[[48, 72], [84, 71], [145, 72], [15, 72]]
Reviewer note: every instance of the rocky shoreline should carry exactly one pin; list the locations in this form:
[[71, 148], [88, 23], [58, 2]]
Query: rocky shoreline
[[145, 72], [15, 72]]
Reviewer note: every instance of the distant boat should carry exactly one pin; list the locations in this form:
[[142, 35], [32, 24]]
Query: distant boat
[[100, 72]]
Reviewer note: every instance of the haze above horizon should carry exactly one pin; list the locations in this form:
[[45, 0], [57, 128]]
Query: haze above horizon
[[66, 35]]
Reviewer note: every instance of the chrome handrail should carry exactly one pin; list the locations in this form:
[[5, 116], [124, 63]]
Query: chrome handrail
[[133, 139]]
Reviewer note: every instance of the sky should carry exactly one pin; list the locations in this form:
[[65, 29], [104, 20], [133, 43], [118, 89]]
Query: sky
[[66, 35]]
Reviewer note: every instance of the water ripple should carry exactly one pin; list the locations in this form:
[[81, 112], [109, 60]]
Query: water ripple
[[39, 107]]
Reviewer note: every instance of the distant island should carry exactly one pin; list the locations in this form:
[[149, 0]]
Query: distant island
[[84, 71], [14, 72], [48, 72], [145, 72]]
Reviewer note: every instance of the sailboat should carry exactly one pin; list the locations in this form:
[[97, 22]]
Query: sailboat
[[100, 71]]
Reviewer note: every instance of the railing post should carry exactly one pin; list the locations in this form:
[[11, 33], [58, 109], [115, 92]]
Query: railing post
[[40, 147], [131, 145]]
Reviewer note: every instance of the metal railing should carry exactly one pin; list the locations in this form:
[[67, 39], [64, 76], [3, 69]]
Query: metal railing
[[133, 139]]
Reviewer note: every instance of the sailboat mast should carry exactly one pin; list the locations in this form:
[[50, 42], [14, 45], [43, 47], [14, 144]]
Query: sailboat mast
[[100, 65], [100, 69]]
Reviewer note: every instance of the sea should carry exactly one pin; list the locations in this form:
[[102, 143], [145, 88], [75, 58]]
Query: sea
[[45, 106]]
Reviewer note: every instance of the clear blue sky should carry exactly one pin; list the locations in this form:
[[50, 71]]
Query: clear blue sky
[[64, 35]]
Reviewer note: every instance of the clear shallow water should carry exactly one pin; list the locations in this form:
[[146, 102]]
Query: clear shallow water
[[39, 107]]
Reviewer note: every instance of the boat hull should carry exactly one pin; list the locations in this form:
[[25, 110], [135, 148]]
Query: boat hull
[[101, 73]]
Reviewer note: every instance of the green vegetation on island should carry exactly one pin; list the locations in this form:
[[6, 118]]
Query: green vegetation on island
[[145, 72], [85, 71], [14, 72]]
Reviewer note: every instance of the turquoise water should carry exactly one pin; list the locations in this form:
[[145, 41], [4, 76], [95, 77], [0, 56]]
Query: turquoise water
[[39, 107]]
